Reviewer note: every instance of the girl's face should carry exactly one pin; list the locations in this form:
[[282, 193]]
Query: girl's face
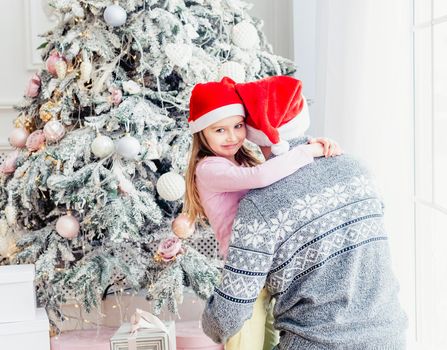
[[226, 136]]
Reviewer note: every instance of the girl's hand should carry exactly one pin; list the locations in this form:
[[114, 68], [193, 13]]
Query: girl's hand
[[330, 147]]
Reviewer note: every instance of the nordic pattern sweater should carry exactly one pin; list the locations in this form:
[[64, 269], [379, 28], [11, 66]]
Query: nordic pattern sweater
[[316, 240]]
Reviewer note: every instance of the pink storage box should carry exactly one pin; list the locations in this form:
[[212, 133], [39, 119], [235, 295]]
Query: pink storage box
[[88, 339], [190, 336]]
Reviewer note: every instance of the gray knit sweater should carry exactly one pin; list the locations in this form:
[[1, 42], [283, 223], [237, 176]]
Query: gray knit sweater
[[316, 240]]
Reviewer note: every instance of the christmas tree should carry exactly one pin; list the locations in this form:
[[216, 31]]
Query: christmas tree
[[102, 140]]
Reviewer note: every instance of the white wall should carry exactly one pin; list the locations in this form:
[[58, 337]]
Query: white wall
[[355, 60]]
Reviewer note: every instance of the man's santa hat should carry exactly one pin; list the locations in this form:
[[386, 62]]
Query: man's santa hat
[[276, 111], [213, 101]]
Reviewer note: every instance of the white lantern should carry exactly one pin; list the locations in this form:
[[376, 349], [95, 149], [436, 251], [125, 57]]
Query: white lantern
[[179, 54], [128, 147], [233, 70], [171, 186], [245, 35], [115, 15], [102, 146]]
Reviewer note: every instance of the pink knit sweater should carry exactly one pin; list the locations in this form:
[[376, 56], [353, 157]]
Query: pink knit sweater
[[222, 184]]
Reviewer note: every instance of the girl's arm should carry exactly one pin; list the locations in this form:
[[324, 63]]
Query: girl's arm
[[220, 175]]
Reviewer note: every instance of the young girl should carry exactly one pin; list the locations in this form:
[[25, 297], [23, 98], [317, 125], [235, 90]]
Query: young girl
[[222, 170]]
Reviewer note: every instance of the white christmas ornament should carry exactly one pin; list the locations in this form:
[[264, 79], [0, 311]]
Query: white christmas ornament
[[102, 146], [171, 186], [115, 15], [128, 147], [67, 226], [61, 69], [245, 35], [131, 87], [53, 131], [179, 54], [11, 215], [233, 70]]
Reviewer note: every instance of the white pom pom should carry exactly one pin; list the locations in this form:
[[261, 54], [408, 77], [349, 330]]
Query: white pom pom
[[280, 148]]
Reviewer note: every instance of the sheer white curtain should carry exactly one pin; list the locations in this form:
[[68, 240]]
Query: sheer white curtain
[[362, 93]]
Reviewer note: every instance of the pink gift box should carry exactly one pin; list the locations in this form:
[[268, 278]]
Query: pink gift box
[[190, 336], [89, 339]]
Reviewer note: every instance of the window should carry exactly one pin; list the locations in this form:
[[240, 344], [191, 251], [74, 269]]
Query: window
[[430, 93]]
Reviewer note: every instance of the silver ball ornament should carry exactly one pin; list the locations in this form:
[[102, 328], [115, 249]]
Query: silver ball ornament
[[128, 147], [115, 15], [171, 186], [102, 146]]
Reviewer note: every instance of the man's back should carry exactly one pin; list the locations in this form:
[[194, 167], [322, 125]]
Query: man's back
[[323, 238]]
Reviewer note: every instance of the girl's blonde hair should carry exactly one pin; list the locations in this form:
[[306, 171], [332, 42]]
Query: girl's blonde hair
[[199, 150]]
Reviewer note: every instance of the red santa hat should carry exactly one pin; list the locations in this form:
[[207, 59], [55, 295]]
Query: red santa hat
[[276, 111], [213, 101]]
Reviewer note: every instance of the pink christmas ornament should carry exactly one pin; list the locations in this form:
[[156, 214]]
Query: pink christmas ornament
[[35, 141], [182, 226], [53, 131], [169, 248], [18, 137], [67, 226], [51, 62], [116, 96], [32, 89], [10, 163]]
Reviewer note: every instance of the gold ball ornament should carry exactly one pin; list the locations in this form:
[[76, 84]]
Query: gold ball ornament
[[182, 226]]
